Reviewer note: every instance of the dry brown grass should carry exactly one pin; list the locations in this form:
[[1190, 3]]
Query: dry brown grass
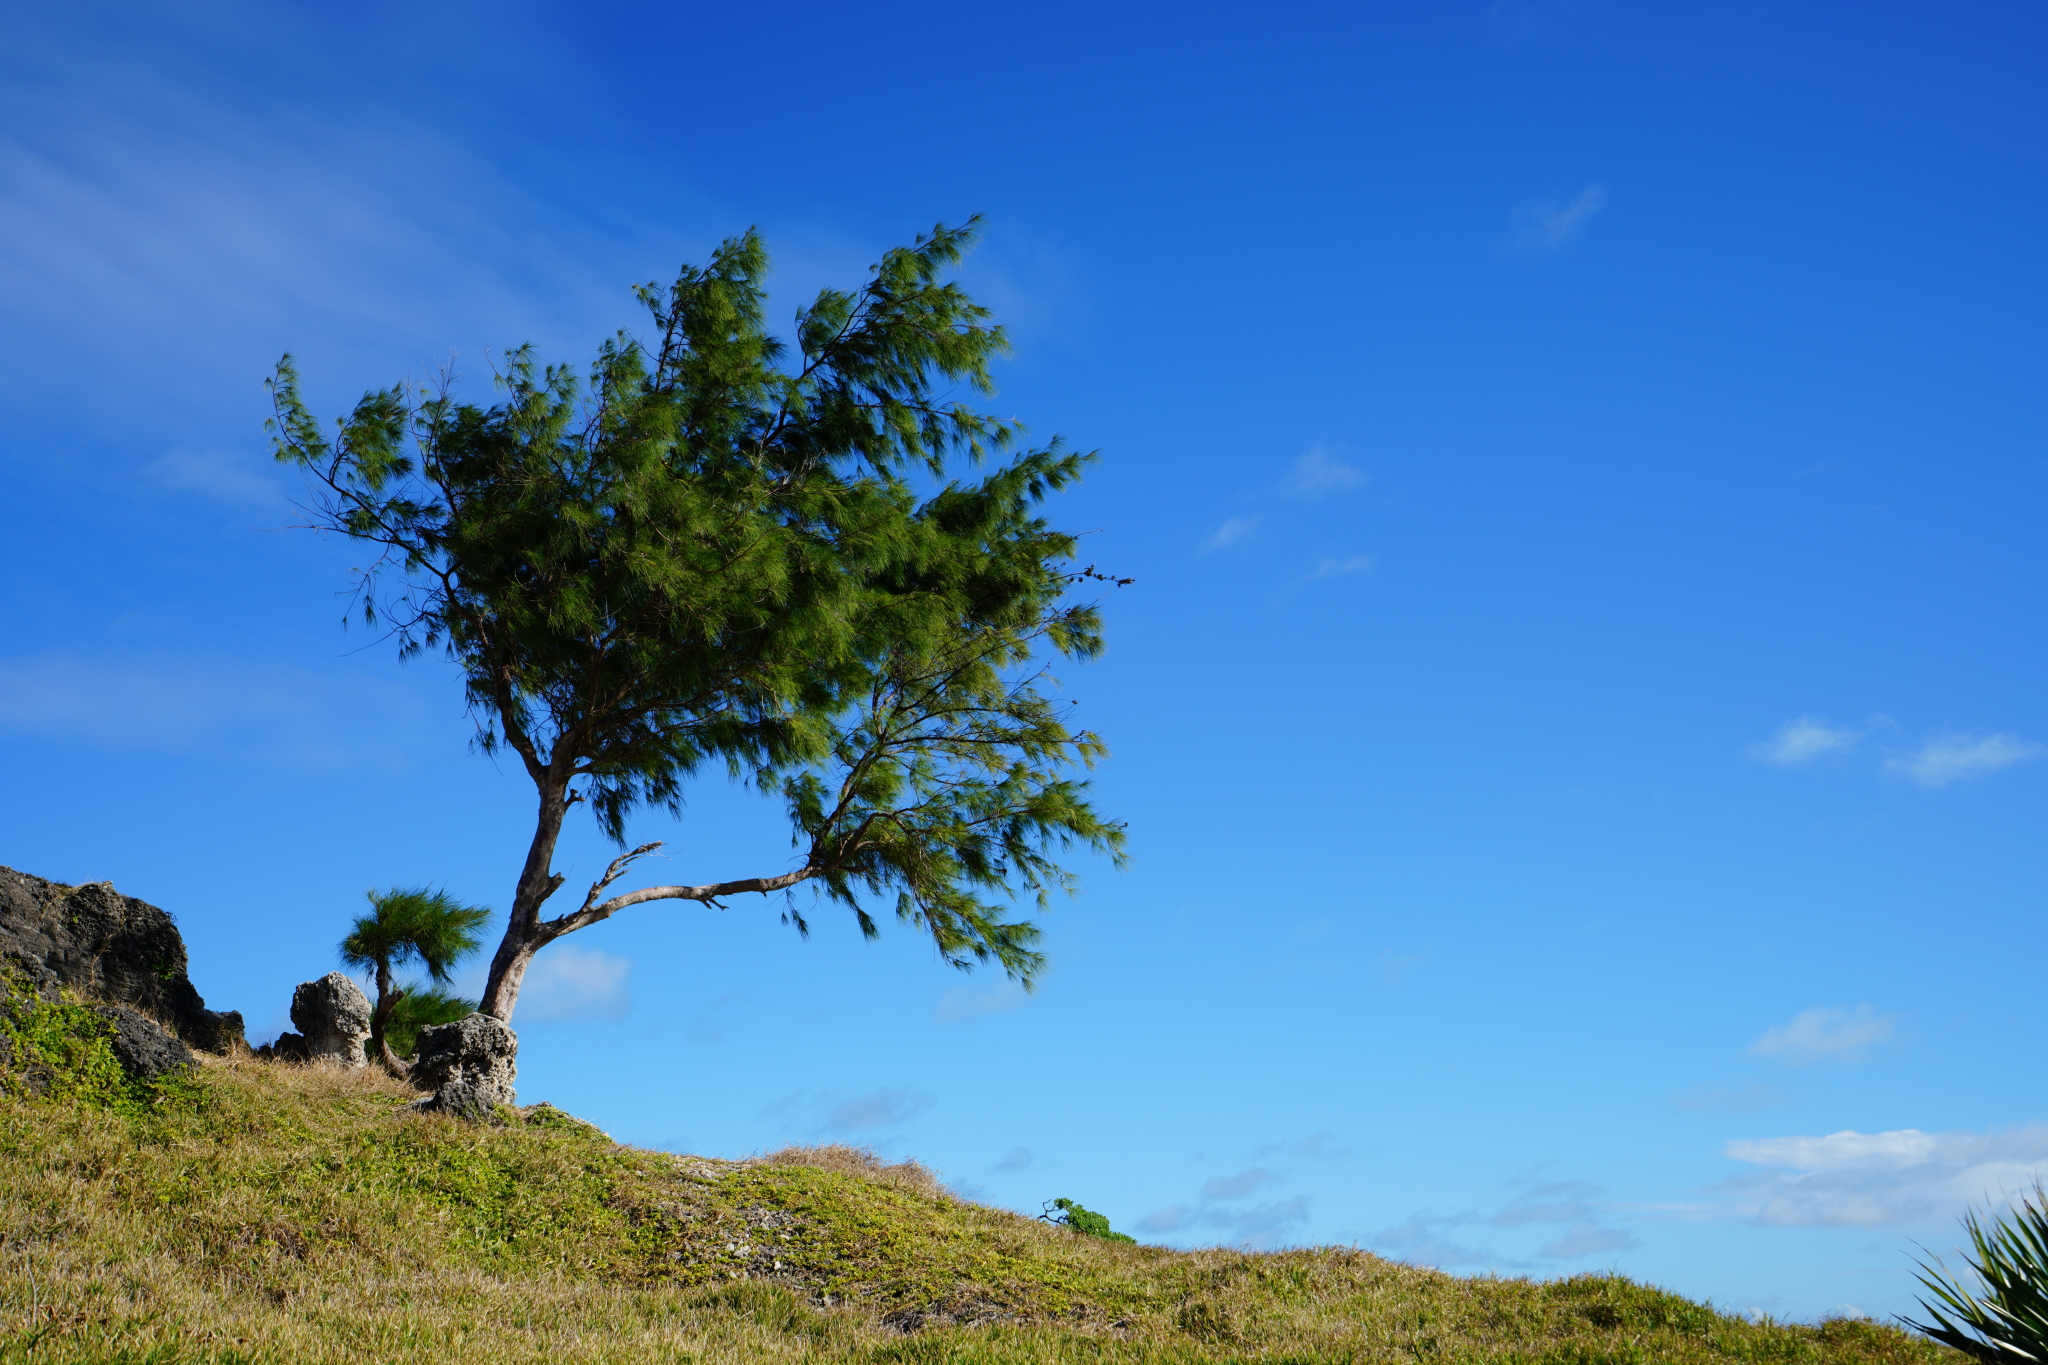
[[279, 1213], [861, 1162]]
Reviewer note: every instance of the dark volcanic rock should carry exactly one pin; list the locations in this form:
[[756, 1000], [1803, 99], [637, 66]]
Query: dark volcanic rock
[[145, 1048], [470, 1065], [108, 947]]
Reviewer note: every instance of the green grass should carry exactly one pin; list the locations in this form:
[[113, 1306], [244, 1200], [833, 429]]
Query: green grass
[[259, 1211]]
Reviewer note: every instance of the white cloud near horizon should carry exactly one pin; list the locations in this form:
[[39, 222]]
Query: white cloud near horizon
[[568, 982], [1318, 471], [1548, 226], [1235, 531], [1943, 759], [885, 1108], [1239, 1185], [1819, 1035], [1853, 1179], [1799, 742], [1572, 1204]]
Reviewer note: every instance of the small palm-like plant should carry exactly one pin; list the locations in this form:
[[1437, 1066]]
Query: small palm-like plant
[[411, 924], [2009, 1320]]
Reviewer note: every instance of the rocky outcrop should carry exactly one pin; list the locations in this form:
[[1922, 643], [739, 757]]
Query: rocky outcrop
[[333, 1016], [146, 1049], [470, 1065], [107, 947]]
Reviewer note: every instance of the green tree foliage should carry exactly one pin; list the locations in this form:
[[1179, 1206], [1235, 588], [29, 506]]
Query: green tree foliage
[[1067, 1214], [419, 1006], [715, 553], [2008, 1321], [411, 925]]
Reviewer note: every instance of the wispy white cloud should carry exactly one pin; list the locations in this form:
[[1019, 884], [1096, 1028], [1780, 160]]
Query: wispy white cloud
[[1261, 1225], [1547, 226], [1799, 742], [1255, 1225], [1852, 1179], [568, 982], [1235, 531], [1016, 1159], [1319, 471], [1587, 1239], [1826, 1035], [1331, 567], [1557, 1202], [1427, 1239], [1323, 1146], [1422, 1241], [877, 1109], [1172, 1218], [1950, 758], [1239, 1185]]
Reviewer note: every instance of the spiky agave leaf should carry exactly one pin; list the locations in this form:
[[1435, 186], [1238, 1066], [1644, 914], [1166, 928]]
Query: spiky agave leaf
[[2008, 1321]]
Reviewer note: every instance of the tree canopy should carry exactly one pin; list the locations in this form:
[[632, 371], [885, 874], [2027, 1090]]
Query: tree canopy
[[411, 924], [711, 552]]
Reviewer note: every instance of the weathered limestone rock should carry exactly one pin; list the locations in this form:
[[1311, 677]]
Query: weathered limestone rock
[[333, 1016], [470, 1065], [108, 947]]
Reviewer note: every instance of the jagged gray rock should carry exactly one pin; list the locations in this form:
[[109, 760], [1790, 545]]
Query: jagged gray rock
[[470, 1065], [146, 1049], [107, 947], [333, 1016]]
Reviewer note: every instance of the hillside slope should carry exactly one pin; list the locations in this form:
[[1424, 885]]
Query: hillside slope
[[250, 1210]]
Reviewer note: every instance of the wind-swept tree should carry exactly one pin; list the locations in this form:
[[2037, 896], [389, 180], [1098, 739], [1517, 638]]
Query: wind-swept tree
[[411, 924], [705, 557]]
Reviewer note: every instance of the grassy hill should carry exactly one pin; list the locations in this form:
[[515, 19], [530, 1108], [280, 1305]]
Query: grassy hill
[[256, 1211]]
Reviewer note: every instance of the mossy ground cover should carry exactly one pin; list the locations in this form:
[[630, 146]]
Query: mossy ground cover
[[257, 1211]]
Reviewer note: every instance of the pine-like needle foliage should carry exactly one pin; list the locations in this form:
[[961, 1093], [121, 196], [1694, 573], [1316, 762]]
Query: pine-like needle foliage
[[711, 552], [2008, 1321], [421, 1004], [411, 925]]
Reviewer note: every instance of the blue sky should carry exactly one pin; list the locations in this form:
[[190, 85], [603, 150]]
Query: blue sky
[[1578, 716]]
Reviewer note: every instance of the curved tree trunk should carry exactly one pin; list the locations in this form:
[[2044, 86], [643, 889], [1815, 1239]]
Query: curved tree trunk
[[524, 933]]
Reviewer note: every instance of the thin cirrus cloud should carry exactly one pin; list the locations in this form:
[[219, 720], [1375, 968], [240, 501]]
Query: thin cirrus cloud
[[1938, 761], [1943, 759], [1542, 226], [839, 1113], [568, 982], [1569, 1205], [1803, 741], [1853, 1179], [1235, 531], [1239, 1185], [1254, 1225], [1826, 1035], [1317, 472], [1331, 567]]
